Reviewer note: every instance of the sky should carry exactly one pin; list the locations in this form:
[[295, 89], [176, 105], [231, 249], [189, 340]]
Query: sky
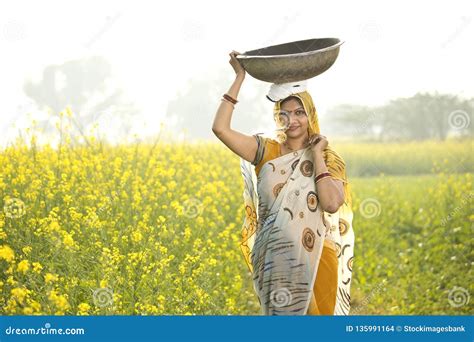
[[391, 49]]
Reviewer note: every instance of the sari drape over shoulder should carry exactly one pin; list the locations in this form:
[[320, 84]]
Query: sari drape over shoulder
[[285, 228]]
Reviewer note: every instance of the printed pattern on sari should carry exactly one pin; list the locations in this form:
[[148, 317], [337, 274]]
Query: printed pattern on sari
[[284, 231]]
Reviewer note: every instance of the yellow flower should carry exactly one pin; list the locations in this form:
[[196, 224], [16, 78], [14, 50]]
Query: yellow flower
[[19, 293], [27, 310], [69, 112], [54, 226], [68, 240], [11, 281], [23, 266], [7, 253], [35, 306], [59, 300], [187, 233], [182, 269], [83, 309], [172, 185], [37, 267], [136, 236], [49, 277], [26, 249]]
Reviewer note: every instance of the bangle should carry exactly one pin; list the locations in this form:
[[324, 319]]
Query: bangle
[[225, 100], [230, 98], [320, 179], [322, 175]]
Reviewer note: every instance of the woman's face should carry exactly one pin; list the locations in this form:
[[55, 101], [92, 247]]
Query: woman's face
[[298, 118]]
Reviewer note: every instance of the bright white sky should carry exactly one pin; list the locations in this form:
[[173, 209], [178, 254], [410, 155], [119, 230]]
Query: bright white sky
[[155, 47]]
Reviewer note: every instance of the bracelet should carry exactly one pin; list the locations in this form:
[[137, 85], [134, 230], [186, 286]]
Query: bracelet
[[225, 100], [322, 175], [320, 179], [230, 98]]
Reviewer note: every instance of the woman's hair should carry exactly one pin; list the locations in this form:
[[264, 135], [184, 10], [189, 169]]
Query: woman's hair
[[290, 98]]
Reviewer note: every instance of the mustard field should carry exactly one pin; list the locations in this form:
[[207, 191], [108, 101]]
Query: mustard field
[[140, 229]]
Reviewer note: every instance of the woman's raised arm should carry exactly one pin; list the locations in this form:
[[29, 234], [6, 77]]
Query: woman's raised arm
[[241, 144]]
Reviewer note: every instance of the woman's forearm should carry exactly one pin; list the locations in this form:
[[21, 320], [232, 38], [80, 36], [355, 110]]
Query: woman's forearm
[[330, 194], [224, 112]]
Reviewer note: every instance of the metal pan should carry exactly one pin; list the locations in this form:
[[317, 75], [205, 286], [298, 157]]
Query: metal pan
[[291, 62]]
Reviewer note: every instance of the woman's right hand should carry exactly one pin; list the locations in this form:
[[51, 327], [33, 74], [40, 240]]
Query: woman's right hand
[[318, 142], [239, 70]]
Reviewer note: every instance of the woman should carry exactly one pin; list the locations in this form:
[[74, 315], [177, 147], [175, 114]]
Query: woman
[[299, 245]]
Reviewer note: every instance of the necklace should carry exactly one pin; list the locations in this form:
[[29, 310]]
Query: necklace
[[288, 147]]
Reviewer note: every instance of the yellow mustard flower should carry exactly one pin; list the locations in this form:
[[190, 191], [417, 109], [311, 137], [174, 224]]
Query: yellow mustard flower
[[23, 266], [26, 250], [136, 236], [20, 293], [7, 253], [68, 240], [83, 309], [37, 267], [60, 301], [50, 277]]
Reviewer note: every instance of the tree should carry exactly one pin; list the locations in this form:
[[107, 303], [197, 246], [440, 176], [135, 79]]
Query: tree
[[84, 86], [420, 117]]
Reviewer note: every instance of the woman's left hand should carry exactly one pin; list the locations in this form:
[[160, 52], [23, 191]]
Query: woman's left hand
[[318, 142]]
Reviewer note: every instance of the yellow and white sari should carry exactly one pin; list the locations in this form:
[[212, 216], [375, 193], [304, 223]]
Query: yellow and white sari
[[285, 228]]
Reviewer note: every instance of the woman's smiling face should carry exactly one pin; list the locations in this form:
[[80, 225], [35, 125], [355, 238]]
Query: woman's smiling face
[[298, 124]]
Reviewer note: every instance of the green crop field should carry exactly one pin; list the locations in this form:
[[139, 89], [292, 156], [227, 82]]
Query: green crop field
[[133, 229]]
